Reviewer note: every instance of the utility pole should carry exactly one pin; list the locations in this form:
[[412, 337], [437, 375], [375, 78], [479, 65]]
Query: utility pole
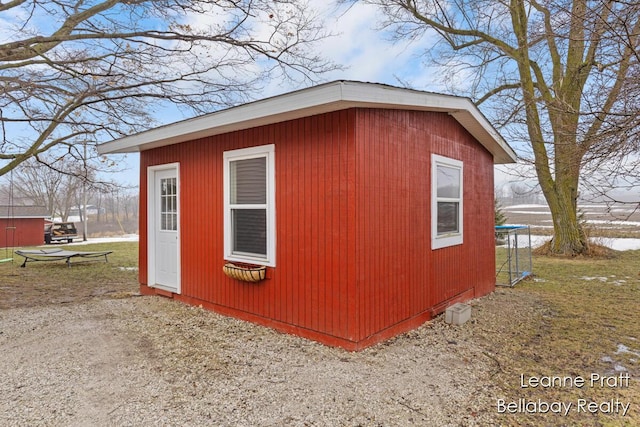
[[84, 194]]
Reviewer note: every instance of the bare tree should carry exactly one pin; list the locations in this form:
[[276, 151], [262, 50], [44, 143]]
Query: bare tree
[[57, 189], [561, 76], [74, 72], [63, 186], [131, 205]]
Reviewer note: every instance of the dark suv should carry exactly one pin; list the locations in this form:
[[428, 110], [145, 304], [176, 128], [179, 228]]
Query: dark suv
[[58, 231]]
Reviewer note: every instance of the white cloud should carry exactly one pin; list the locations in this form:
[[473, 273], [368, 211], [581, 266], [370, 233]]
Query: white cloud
[[367, 51], [13, 27]]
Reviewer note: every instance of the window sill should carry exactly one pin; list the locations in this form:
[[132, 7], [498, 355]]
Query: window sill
[[243, 260], [446, 241]]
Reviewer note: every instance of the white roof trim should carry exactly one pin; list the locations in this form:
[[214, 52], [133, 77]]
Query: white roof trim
[[320, 99], [4, 216]]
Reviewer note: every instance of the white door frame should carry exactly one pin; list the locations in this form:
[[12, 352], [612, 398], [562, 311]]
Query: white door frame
[[152, 218]]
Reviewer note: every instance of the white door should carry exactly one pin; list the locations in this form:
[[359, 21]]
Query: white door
[[164, 256]]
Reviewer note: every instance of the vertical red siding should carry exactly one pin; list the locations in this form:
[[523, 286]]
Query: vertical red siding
[[399, 276], [16, 232], [353, 255], [310, 287]]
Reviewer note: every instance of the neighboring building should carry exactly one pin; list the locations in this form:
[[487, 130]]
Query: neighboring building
[[370, 206], [76, 211], [22, 225]]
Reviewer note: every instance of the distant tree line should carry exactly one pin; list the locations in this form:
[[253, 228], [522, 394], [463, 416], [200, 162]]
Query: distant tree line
[[65, 190], [519, 193]]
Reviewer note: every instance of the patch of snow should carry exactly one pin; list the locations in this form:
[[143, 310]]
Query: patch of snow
[[523, 241], [526, 207], [624, 349], [604, 279], [587, 278], [531, 212], [623, 210], [619, 244], [602, 208], [612, 222], [622, 244], [537, 241]]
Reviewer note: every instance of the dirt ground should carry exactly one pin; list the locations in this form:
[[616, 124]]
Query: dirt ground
[[100, 354]]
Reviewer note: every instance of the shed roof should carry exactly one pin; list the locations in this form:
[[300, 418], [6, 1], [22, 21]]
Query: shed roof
[[324, 98], [11, 211]]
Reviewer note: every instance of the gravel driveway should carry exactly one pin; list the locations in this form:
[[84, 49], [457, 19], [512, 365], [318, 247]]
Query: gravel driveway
[[128, 360]]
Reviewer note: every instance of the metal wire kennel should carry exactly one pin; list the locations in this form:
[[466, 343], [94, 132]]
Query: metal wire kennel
[[513, 254]]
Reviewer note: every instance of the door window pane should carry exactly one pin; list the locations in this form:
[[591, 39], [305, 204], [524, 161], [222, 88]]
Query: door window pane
[[168, 204]]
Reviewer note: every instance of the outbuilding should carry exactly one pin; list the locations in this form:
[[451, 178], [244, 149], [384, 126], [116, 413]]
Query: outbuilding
[[346, 213], [21, 225]]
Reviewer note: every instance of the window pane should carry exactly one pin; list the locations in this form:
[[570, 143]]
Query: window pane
[[168, 186], [448, 217], [448, 182], [249, 231], [168, 204], [248, 181]]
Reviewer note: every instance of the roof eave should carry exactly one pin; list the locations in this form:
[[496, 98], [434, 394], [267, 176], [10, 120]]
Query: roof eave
[[320, 99], [486, 135], [23, 216]]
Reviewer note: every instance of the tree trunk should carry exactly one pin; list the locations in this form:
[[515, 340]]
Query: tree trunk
[[562, 195], [568, 236]]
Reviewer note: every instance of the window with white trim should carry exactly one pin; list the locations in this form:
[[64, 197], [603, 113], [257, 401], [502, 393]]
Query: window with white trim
[[249, 205], [446, 202]]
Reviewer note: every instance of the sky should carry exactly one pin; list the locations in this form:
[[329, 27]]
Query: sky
[[365, 52]]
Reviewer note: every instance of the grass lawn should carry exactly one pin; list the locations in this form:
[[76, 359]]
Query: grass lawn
[[42, 283], [588, 323]]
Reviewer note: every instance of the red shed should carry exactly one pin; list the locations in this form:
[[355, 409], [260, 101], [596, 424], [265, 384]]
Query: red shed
[[370, 208], [21, 225]]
